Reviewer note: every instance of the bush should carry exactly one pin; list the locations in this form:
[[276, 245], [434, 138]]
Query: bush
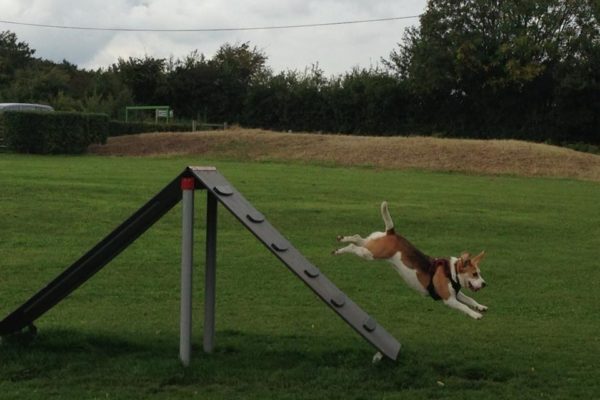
[[121, 128], [53, 132]]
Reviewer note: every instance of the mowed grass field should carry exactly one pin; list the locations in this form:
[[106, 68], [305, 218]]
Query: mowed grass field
[[117, 336]]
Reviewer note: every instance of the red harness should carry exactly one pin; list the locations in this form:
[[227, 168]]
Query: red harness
[[445, 264]]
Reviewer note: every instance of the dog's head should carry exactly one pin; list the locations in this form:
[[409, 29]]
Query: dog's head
[[469, 275]]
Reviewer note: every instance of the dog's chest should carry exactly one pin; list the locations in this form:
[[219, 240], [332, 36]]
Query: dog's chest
[[408, 274]]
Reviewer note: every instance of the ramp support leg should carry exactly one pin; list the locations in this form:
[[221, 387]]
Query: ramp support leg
[[187, 252], [210, 273]]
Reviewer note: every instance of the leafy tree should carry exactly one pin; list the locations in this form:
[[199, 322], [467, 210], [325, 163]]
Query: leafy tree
[[14, 55], [214, 89], [114, 95], [368, 101], [237, 66], [493, 67], [192, 85], [145, 77], [267, 101]]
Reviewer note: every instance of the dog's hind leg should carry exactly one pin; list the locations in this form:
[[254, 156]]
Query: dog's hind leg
[[354, 239], [354, 249]]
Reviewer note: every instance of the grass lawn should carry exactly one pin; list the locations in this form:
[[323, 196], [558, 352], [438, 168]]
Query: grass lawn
[[117, 336]]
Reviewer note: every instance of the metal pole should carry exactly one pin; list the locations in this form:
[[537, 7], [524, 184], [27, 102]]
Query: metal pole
[[187, 253], [210, 273]]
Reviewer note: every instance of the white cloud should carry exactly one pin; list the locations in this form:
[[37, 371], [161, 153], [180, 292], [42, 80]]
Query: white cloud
[[336, 49]]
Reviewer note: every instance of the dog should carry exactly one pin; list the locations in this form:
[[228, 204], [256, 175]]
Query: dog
[[440, 278]]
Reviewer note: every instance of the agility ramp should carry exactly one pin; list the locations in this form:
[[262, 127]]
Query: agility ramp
[[219, 190]]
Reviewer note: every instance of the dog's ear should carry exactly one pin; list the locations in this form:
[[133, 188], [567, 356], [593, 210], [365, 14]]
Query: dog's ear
[[477, 259], [462, 261], [460, 264]]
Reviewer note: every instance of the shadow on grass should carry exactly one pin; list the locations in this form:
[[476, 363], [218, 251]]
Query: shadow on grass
[[247, 362]]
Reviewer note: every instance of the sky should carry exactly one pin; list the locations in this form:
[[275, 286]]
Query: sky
[[336, 49]]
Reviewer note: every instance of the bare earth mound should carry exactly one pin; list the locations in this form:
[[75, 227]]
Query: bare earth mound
[[471, 156]]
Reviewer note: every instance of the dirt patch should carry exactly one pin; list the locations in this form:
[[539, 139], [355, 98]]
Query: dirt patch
[[471, 156]]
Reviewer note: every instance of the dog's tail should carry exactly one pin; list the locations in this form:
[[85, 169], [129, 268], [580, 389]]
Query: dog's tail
[[387, 219]]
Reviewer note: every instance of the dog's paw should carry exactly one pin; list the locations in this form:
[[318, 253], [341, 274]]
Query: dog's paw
[[481, 307], [476, 315], [335, 252], [377, 358], [339, 238]]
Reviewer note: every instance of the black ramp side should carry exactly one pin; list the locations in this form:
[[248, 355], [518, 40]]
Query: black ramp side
[[359, 320], [84, 268]]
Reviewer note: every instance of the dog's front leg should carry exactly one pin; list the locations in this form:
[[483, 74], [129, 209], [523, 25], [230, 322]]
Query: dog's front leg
[[454, 303], [463, 298]]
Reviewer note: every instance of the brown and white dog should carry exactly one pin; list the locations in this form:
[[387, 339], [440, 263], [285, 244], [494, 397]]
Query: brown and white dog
[[440, 278]]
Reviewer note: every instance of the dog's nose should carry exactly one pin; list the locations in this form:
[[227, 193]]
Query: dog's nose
[[483, 285]]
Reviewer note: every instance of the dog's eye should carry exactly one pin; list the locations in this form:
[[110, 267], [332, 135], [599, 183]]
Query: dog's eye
[[475, 274]]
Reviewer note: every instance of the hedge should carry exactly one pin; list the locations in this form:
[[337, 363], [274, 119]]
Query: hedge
[[121, 128], [53, 132]]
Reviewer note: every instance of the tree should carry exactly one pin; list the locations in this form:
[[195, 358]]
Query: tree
[[14, 55], [237, 66], [495, 66], [191, 83], [145, 77]]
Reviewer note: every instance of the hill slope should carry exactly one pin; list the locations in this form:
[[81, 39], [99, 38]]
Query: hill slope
[[471, 156]]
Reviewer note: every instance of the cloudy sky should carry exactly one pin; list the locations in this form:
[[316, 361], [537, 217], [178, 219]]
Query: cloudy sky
[[335, 48]]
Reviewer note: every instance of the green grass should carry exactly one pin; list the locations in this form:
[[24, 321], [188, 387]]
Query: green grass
[[117, 336]]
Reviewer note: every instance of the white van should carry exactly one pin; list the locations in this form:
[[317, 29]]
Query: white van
[[24, 107]]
